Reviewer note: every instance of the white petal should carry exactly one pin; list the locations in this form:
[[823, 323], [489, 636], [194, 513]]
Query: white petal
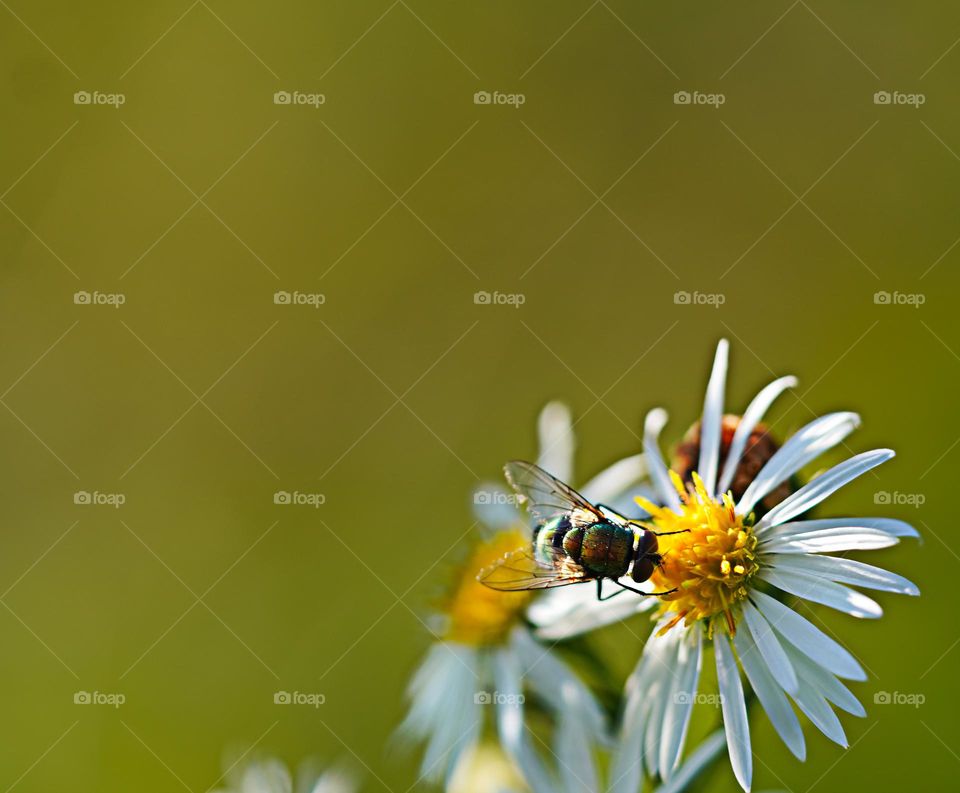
[[555, 429], [847, 571], [752, 416], [495, 506], [808, 638], [442, 707], [652, 426], [828, 685], [768, 644], [735, 723], [509, 682], [771, 696], [699, 759], [829, 540], [610, 483], [712, 418], [267, 776], [510, 728], [835, 596], [626, 763], [568, 611], [659, 691], [824, 485], [801, 448], [335, 780], [626, 766], [554, 682], [680, 703], [889, 526], [578, 773], [818, 710]]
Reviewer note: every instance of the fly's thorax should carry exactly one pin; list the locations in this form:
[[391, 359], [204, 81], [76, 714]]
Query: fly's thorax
[[606, 549]]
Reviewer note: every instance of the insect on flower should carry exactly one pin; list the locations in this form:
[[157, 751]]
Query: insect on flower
[[574, 541]]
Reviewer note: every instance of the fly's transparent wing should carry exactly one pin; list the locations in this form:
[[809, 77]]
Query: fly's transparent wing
[[546, 496], [521, 570]]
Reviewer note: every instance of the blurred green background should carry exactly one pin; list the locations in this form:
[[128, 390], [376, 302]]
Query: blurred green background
[[397, 199]]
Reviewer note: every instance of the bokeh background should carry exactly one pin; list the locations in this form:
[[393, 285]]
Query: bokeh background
[[597, 200]]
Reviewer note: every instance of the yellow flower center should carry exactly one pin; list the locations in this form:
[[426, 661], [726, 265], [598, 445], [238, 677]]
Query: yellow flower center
[[710, 564], [478, 615]]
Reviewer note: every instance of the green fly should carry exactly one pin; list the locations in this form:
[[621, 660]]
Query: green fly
[[574, 541]]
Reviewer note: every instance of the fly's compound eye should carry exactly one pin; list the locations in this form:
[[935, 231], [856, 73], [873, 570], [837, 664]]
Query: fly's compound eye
[[642, 570], [647, 545]]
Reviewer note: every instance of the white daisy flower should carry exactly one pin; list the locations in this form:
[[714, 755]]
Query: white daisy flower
[[731, 572], [487, 662], [271, 776]]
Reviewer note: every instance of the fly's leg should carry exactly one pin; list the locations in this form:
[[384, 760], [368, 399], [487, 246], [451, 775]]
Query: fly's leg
[[600, 596], [647, 594]]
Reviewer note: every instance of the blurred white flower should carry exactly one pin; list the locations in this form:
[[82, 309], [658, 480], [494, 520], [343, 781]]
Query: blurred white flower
[[269, 775], [487, 662]]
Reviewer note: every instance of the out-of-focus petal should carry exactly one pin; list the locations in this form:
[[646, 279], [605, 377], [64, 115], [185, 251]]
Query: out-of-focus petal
[[557, 443]]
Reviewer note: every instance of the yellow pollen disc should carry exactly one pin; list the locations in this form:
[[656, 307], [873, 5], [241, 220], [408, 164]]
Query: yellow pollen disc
[[710, 564], [476, 614]]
